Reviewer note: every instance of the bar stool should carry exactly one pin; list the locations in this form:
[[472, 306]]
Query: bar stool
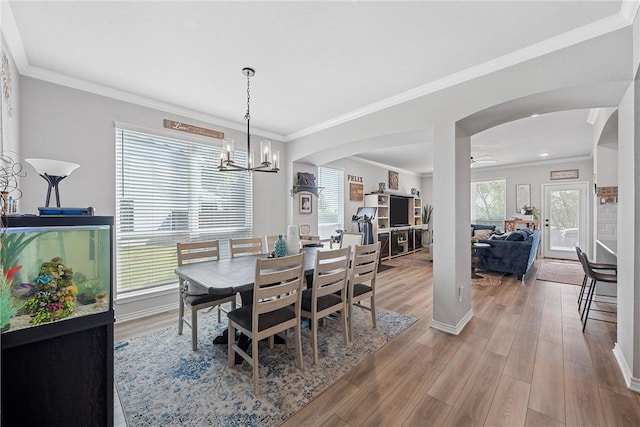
[[594, 266], [595, 277]]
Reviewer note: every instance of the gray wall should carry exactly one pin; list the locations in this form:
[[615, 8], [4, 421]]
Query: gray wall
[[61, 123]]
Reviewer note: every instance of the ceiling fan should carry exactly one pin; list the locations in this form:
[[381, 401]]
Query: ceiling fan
[[485, 158]]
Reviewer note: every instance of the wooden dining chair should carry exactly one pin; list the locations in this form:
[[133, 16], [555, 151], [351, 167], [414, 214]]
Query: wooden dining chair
[[245, 246], [271, 243], [328, 293], [191, 253], [362, 281], [277, 294], [350, 240]]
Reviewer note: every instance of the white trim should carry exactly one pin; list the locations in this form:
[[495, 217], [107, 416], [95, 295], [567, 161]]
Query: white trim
[[629, 9], [453, 330], [146, 294], [633, 384], [158, 309], [381, 165], [570, 38]]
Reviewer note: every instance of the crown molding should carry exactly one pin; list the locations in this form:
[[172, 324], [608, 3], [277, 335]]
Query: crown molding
[[381, 165], [570, 38], [74, 83]]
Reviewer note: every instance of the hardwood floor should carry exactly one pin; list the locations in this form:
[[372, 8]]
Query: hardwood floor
[[521, 361]]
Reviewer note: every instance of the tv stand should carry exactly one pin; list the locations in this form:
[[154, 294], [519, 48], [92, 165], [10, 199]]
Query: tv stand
[[400, 238]]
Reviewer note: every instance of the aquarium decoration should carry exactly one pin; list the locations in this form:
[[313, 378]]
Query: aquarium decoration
[[7, 306], [55, 293]]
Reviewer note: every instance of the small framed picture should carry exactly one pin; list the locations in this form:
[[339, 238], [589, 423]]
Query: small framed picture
[[305, 203]]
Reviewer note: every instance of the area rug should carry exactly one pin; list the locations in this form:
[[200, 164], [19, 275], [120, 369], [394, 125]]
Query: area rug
[[489, 278], [162, 382], [561, 272]]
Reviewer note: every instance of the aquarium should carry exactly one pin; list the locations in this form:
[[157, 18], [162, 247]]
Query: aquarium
[[54, 269]]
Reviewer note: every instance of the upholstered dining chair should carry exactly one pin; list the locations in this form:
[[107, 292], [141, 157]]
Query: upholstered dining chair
[[362, 281], [595, 277], [245, 246], [350, 240], [191, 253], [277, 295], [328, 293]]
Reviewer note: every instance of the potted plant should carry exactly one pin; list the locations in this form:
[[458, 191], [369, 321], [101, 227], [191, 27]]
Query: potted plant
[[427, 210], [531, 210]]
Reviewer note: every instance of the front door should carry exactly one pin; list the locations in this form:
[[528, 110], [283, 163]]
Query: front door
[[564, 219]]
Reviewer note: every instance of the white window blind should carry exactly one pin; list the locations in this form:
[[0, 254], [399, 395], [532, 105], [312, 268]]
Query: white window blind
[[170, 191], [330, 202], [488, 202]]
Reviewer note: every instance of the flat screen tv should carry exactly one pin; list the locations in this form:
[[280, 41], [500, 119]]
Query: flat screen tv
[[398, 211]]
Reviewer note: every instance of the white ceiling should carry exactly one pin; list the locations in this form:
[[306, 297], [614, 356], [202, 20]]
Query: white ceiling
[[315, 62]]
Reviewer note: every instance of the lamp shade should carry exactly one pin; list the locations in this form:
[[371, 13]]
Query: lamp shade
[[52, 167]]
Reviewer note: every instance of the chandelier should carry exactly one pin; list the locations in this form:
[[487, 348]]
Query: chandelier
[[269, 159]]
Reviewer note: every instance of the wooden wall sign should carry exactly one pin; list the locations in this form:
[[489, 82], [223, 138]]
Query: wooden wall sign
[[564, 174], [356, 192], [197, 130]]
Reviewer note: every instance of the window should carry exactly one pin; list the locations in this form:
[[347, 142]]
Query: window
[[330, 202], [170, 191], [488, 202]]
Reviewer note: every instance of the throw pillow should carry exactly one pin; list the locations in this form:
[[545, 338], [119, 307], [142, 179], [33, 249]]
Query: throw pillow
[[482, 234], [515, 236]]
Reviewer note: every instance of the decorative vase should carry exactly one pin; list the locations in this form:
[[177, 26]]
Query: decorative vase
[[381, 187], [293, 240], [280, 247]]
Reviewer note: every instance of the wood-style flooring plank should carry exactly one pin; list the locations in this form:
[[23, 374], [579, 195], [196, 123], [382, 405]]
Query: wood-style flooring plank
[[583, 405], [509, 406], [536, 419], [429, 412], [322, 407], [620, 410], [448, 386], [547, 387], [472, 406]]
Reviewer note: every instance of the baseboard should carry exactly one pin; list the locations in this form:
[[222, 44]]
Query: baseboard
[[144, 313], [632, 383], [445, 327]]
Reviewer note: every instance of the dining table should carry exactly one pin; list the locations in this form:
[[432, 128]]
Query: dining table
[[228, 276]]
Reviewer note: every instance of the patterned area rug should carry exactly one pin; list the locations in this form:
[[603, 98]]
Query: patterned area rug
[[489, 278], [162, 382], [561, 272]]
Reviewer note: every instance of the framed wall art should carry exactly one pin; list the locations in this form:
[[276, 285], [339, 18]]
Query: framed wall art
[[394, 180], [523, 196], [305, 203]]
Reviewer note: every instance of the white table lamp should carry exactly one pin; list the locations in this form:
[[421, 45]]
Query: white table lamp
[[53, 171]]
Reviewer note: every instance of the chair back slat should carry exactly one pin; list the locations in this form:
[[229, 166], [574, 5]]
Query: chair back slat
[[198, 252], [350, 240], [331, 272], [245, 246]]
